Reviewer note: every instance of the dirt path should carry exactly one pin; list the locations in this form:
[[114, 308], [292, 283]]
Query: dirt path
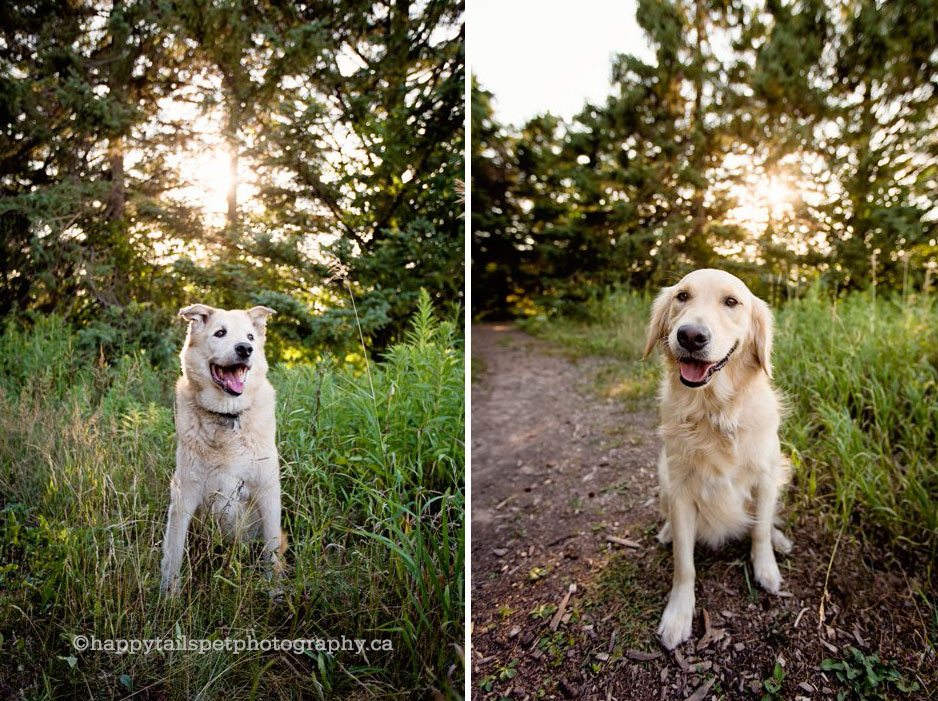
[[568, 581]]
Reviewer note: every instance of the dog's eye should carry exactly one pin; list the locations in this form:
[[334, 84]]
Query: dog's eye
[[731, 302], [250, 336], [220, 333], [682, 296]]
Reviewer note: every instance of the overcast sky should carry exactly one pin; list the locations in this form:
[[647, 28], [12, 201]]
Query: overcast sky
[[549, 55]]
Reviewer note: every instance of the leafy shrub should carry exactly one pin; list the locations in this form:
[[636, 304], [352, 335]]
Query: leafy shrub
[[866, 677]]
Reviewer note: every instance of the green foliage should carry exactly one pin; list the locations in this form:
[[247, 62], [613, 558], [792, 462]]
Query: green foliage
[[354, 163], [498, 258], [861, 378], [120, 331], [373, 492], [867, 677], [616, 323], [503, 674], [611, 327], [773, 685], [831, 100]]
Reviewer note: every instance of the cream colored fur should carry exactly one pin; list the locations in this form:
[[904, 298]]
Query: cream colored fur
[[226, 467], [721, 467]]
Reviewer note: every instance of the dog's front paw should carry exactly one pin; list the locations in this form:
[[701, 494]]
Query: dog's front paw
[[676, 621], [766, 572], [664, 535]]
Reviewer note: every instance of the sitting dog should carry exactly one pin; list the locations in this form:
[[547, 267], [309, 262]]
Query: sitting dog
[[226, 454], [721, 468]]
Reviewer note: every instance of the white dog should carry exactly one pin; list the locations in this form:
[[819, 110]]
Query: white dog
[[226, 455], [721, 468]]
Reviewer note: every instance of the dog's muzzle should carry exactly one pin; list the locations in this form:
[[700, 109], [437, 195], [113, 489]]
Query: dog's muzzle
[[697, 373], [230, 377]]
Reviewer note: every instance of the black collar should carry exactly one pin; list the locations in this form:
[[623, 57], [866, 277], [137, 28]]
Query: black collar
[[233, 417], [228, 420]]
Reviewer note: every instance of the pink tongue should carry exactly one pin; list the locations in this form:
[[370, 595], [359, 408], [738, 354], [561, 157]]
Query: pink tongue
[[233, 383], [694, 372]]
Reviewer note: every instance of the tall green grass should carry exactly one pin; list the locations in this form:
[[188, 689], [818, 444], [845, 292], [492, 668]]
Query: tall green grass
[[372, 478], [861, 379]]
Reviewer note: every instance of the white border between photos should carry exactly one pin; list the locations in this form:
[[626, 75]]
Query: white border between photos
[[467, 272]]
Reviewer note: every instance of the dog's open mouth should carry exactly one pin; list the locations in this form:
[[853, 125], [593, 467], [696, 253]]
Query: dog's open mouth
[[230, 378], [697, 373]]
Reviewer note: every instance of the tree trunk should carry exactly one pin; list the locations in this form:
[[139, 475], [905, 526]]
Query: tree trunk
[[396, 69], [231, 138], [232, 216], [117, 196], [698, 158], [859, 221], [120, 61]]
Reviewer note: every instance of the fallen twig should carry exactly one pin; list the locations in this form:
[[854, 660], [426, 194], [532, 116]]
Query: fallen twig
[[623, 541], [825, 595], [800, 614], [555, 621], [640, 656]]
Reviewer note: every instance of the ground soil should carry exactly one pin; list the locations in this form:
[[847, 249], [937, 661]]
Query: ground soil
[[568, 581]]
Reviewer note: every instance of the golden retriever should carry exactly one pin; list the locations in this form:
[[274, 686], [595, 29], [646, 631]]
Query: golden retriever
[[721, 468], [226, 453]]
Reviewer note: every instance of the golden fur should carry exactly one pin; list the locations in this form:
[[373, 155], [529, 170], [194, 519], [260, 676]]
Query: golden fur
[[721, 467], [226, 454]]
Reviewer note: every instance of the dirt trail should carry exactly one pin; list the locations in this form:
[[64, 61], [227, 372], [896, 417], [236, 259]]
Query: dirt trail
[[568, 581]]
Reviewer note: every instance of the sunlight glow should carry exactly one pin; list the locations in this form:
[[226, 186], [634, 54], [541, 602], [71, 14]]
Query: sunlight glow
[[209, 177], [761, 200], [203, 162]]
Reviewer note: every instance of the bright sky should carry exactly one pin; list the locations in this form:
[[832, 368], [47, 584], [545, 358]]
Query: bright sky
[[540, 56]]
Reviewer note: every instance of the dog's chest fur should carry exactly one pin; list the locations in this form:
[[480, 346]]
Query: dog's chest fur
[[221, 438], [706, 438], [229, 458]]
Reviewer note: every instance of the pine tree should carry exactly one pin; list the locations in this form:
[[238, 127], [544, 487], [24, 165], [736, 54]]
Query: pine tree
[[348, 116], [498, 245]]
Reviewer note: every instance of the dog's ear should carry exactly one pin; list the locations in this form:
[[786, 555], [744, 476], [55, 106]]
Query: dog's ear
[[259, 316], [196, 312], [658, 327], [762, 334]]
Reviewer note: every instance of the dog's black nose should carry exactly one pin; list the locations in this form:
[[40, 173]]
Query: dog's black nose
[[693, 337], [244, 350]]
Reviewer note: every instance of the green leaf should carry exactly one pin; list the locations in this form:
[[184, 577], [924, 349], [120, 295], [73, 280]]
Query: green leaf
[[905, 687]]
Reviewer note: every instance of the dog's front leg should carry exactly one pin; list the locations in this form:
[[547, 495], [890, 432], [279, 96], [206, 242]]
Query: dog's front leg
[[182, 504], [269, 506], [764, 566], [675, 626]]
